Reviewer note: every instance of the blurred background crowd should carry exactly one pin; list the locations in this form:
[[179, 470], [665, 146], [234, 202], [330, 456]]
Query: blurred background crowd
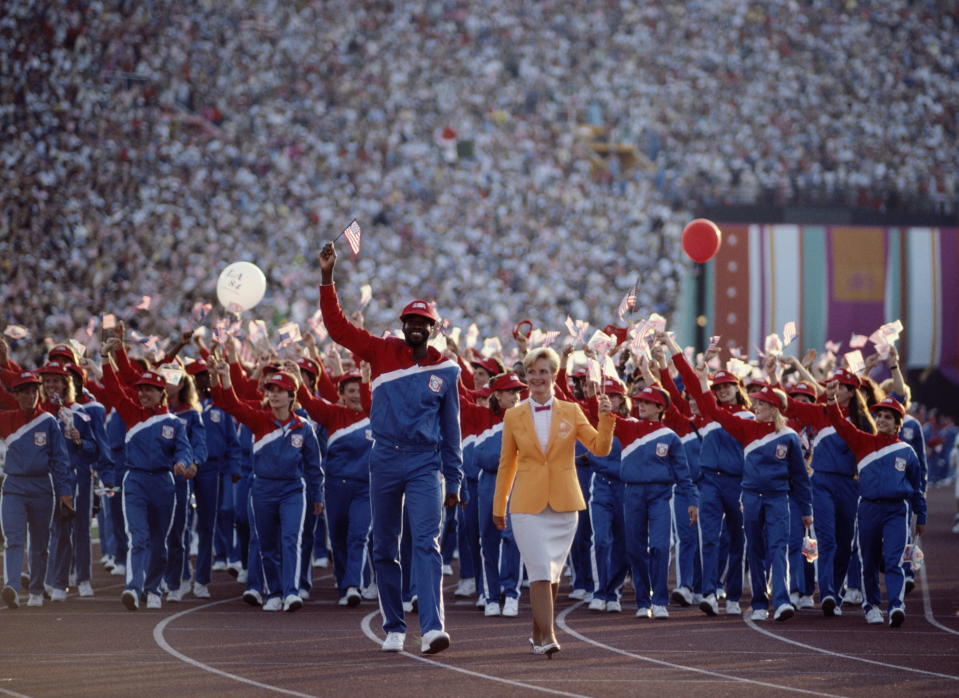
[[510, 159]]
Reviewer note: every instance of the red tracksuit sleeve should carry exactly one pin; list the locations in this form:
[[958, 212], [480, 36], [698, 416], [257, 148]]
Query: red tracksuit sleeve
[[681, 406], [341, 330], [466, 373], [325, 385], [129, 371], [241, 412], [859, 442]]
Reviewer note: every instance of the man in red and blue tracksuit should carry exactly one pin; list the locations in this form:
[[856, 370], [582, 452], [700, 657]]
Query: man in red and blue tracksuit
[[416, 447]]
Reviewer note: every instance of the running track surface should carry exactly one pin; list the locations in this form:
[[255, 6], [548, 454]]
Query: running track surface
[[220, 646]]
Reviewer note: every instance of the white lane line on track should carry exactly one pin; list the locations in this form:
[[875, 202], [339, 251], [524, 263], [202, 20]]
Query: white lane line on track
[[8, 692], [927, 604], [368, 631], [813, 648], [165, 646], [564, 626]]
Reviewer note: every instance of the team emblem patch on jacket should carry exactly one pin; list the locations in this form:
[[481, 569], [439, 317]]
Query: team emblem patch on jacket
[[565, 429], [782, 450], [368, 433], [662, 450], [901, 465], [216, 416], [436, 383], [296, 440], [167, 431], [907, 433], [40, 438]]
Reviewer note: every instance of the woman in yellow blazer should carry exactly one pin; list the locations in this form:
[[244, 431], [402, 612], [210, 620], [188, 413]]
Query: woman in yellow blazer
[[537, 474]]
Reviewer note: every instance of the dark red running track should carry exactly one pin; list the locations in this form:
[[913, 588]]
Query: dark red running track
[[93, 647]]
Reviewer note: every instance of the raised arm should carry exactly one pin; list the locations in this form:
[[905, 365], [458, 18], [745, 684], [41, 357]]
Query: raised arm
[[341, 330]]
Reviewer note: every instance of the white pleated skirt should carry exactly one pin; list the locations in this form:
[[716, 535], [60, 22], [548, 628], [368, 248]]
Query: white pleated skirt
[[544, 541]]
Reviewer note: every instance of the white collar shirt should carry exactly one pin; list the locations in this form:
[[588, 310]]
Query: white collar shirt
[[542, 420]]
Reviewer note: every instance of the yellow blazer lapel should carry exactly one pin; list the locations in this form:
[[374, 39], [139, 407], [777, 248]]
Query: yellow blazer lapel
[[561, 425], [527, 420]]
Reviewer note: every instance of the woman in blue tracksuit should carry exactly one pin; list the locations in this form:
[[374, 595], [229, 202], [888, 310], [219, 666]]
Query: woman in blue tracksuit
[[157, 448], [347, 479], [84, 450], [182, 401], [286, 476], [37, 477], [892, 491], [653, 462], [774, 474], [720, 488], [502, 566], [834, 484], [606, 512]]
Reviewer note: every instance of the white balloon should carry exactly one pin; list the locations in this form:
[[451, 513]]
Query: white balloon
[[240, 286]]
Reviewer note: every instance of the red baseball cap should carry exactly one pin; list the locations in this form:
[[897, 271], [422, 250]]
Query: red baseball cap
[[652, 394], [24, 378], [757, 382], [490, 365], [802, 389], [308, 365], [282, 380], [78, 371], [507, 381], [154, 380], [421, 308], [54, 368], [64, 351], [198, 366], [347, 377], [482, 392], [611, 386], [723, 378], [845, 377], [769, 396], [890, 403]]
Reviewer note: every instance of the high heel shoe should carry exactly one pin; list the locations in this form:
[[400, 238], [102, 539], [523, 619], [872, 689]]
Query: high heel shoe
[[534, 647], [549, 649]]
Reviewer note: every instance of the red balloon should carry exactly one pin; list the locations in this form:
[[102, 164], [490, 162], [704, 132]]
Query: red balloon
[[701, 240]]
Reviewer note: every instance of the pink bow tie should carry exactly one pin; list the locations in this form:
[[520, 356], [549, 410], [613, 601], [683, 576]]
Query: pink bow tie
[[541, 408]]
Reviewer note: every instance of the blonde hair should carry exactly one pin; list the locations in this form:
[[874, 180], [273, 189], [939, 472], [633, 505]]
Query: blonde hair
[[552, 358]]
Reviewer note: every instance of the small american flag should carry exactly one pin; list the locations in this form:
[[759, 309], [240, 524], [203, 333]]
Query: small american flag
[[628, 303], [352, 234]]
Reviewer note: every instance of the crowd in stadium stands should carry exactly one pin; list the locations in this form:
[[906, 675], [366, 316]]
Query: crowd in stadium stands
[[147, 145]]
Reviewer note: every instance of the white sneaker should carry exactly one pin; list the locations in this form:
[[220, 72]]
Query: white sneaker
[[234, 569], [733, 609], [119, 571], [219, 566], [683, 596], [322, 562], [84, 589], [58, 595], [794, 598], [434, 641], [577, 595], [643, 612], [176, 595], [492, 609], [104, 559], [660, 612], [252, 597], [393, 642], [709, 605], [759, 614], [784, 612], [35, 600], [201, 591], [242, 576], [130, 599], [292, 603], [371, 593], [874, 616], [806, 601], [303, 594], [720, 593], [697, 599], [447, 570], [853, 597], [614, 607], [153, 601], [341, 601], [480, 602], [466, 587], [511, 607], [597, 605], [353, 597], [109, 562], [274, 604], [407, 607]]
